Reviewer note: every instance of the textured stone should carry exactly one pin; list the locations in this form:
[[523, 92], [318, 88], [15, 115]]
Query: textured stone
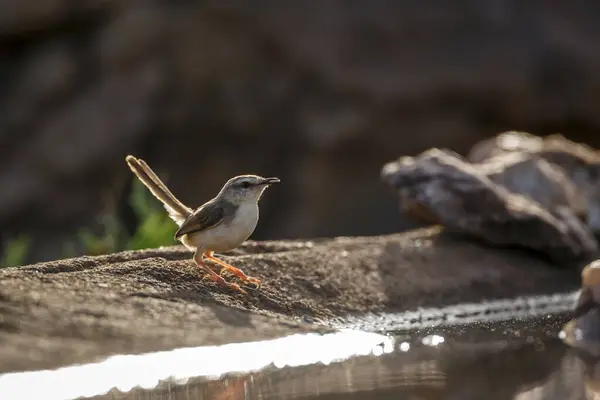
[[82, 309], [579, 163], [463, 198]]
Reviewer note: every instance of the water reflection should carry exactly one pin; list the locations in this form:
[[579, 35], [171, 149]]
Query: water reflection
[[167, 368], [521, 360]]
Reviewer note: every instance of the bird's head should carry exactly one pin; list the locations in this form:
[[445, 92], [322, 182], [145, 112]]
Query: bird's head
[[245, 188]]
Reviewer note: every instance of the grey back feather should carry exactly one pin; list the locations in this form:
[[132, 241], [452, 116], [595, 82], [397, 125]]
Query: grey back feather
[[211, 214]]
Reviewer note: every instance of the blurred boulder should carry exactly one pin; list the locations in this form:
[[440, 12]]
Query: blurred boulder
[[498, 203], [578, 164], [320, 95]]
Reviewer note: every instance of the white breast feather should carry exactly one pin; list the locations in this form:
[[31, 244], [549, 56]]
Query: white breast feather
[[227, 235]]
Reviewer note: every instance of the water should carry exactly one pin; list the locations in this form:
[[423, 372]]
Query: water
[[512, 360], [488, 357]]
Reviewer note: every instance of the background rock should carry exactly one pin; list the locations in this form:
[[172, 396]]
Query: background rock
[[494, 206], [320, 95], [573, 167]]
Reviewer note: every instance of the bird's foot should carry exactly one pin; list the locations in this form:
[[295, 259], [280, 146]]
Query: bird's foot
[[253, 281], [242, 276], [235, 271], [223, 282]]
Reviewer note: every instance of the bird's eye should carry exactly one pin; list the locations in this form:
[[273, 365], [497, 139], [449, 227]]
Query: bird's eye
[[245, 184]]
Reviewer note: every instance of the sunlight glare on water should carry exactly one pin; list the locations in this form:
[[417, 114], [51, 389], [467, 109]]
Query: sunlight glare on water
[[125, 372], [404, 363], [432, 340]]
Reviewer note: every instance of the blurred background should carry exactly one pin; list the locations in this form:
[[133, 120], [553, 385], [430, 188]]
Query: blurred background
[[320, 94]]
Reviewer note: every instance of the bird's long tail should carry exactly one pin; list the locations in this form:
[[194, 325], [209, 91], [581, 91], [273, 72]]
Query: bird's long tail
[[176, 209]]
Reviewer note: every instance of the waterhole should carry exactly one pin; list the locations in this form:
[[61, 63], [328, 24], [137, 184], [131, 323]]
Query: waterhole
[[469, 351]]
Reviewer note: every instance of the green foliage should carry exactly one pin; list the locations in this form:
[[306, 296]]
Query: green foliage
[[156, 229], [15, 252]]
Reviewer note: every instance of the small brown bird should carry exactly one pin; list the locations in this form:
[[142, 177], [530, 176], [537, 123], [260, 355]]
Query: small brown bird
[[221, 224]]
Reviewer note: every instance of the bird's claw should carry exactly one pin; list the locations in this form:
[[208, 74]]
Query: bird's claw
[[244, 278], [254, 282], [236, 287], [223, 282]]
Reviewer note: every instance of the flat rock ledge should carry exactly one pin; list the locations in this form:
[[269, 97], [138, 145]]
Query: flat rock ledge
[[84, 309]]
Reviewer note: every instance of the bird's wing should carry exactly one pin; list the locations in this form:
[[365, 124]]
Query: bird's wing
[[208, 216]]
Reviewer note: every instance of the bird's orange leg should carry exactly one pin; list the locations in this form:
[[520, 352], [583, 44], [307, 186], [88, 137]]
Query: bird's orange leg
[[212, 275], [237, 272]]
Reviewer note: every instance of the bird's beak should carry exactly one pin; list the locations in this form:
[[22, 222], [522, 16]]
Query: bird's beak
[[270, 181]]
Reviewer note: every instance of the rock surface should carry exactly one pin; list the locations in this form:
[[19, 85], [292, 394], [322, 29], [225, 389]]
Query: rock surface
[[83, 309], [583, 331], [321, 96], [577, 162], [519, 190]]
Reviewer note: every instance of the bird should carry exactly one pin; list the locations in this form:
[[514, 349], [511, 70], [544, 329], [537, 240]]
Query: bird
[[221, 224]]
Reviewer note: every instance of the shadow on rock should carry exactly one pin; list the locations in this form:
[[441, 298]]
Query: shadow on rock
[[473, 273]]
